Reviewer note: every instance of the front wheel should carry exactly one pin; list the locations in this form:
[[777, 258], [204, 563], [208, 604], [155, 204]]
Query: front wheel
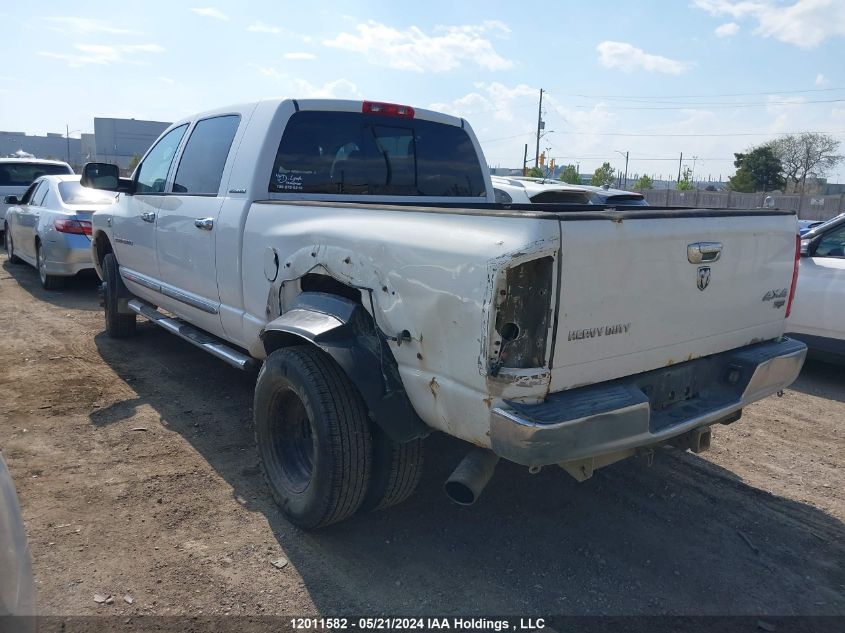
[[48, 282], [118, 325], [313, 436]]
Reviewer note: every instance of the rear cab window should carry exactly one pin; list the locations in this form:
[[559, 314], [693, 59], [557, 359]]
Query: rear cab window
[[367, 154]]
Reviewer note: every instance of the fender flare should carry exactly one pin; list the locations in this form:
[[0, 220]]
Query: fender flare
[[344, 330]]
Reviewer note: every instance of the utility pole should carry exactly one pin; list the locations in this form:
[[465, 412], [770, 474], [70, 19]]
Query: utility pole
[[539, 127], [626, 170], [67, 137], [681, 160], [525, 161]]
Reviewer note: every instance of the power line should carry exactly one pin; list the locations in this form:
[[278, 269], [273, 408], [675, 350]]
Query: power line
[[700, 96], [673, 135], [717, 106]]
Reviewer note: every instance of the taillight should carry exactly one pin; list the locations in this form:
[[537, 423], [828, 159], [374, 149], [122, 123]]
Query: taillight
[[77, 227], [794, 275], [388, 109]]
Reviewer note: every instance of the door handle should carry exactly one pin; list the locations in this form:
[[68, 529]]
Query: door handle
[[703, 252], [206, 224], [148, 216]]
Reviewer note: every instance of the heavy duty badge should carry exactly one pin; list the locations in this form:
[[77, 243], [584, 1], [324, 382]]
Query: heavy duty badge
[[703, 277]]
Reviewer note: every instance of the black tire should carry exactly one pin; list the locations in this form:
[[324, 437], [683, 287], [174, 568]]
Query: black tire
[[117, 325], [313, 436], [10, 247], [397, 469], [48, 282]]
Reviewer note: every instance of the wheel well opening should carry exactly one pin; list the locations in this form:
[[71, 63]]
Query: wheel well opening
[[103, 247], [315, 282]]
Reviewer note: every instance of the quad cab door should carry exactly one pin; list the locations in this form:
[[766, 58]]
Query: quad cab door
[[186, 230], [134, 227]]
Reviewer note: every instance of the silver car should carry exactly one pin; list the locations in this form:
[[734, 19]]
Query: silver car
[[16, 174], [49, 227]]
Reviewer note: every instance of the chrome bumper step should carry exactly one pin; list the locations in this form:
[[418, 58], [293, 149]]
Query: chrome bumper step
[[203, 340]]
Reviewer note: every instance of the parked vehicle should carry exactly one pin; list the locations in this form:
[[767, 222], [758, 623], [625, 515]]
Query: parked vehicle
[[806, 225], [607, 195], [353, 251], [596, 195], [519, 191], [50, 227], [818, 314], [17, 174], [17, 591]]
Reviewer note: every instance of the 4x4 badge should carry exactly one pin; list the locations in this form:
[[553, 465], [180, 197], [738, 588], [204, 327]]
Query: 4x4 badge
[[703, 277]]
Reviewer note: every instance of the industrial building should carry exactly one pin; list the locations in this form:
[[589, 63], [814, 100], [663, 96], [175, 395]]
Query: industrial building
[[113, 141]]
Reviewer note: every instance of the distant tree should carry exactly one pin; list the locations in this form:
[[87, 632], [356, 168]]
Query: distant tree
[[570, 175], [644, 182], [536, 172], [604, 175], [742, 181], [686, 183], [763, 167], [133, 163], [806, 154]]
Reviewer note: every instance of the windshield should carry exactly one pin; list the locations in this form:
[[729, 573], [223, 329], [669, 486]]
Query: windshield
[[74, 193], [22, 174]]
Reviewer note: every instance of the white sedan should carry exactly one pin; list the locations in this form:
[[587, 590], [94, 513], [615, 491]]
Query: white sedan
[[818, 311], [49, 227]]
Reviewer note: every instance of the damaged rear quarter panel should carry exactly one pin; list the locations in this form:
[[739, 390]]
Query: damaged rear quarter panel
[[432, 274]]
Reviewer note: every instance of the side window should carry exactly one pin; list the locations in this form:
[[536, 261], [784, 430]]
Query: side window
[[40, 193], [832, 244], [201, 166], [152, 174], [27, 196]]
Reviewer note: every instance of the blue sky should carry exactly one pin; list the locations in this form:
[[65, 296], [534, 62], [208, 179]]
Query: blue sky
[[654, 78]]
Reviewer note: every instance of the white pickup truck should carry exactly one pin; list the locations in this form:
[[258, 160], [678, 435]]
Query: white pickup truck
[[353, 250]]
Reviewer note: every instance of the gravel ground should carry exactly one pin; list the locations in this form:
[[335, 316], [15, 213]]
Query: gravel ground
[[137, 475]]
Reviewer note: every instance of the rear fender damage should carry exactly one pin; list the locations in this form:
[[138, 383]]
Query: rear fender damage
[[343, 329]]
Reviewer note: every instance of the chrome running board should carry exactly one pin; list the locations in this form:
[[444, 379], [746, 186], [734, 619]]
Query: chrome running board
[[203, 340]]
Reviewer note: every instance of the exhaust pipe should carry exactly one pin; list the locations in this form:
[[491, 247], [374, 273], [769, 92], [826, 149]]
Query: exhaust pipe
[[697, 440], [468, 480]]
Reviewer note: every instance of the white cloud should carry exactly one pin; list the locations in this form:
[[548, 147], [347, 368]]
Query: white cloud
[[84, 25], [261, 27], [210, 12], [629, 58], [167, 80], [413, 49], [101, 54], [299, 56], [804, 23], [821, 80], [299, 88], [727, 30]]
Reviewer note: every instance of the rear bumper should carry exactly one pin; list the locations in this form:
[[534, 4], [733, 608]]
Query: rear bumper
[[68, 254], [645, 409]]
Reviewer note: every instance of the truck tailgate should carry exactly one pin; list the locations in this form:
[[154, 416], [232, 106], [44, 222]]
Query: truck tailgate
[[634, 297]]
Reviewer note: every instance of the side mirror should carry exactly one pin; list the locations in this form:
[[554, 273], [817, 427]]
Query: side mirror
[[100, 176], [805, 248], [11, 200]]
